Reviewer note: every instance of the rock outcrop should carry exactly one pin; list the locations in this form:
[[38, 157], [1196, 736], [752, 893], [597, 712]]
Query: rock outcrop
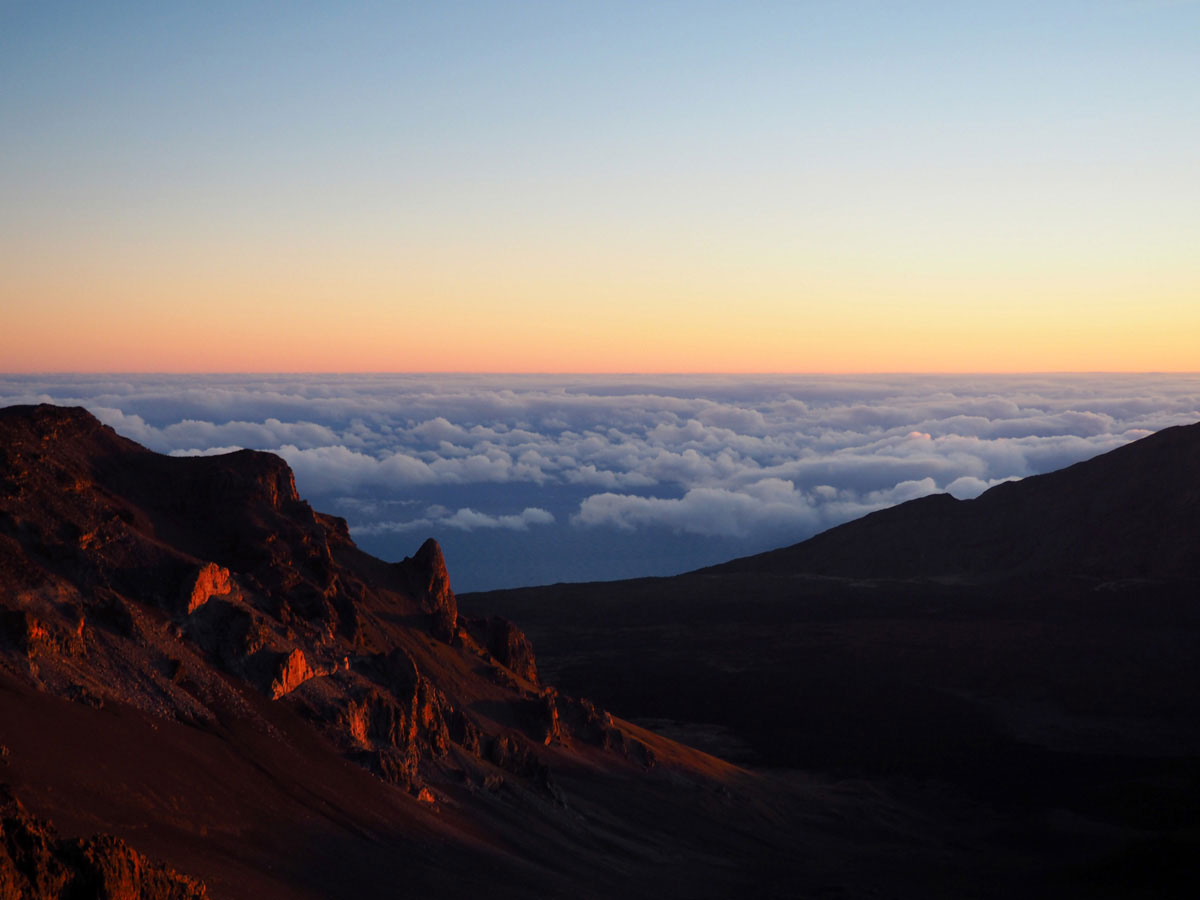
[[36, 864], [211, 581], [171, 583], [426, 574], [506, 642], [291, 672]]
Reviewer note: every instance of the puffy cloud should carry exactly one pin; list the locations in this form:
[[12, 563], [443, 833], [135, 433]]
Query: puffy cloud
[[202, 435], [205, 451], [770, 504], [324, 470], [606, 478], [722, 457], [440, 429], [705, 511], [468, 519], [465, 519]]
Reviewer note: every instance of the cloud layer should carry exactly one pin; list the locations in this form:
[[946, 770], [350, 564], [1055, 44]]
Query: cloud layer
[[736, 462]]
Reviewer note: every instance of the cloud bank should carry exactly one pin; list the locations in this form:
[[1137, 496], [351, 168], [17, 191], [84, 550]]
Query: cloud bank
[[589, 465]]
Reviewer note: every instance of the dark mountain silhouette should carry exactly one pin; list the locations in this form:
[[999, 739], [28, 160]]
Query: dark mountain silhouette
[[1130, 513], [1031, 653]]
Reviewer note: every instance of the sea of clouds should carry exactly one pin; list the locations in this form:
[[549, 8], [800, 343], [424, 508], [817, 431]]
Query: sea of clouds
[[534, 479]]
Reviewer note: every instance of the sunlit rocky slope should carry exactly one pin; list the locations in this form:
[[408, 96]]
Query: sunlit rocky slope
[[194, 661]]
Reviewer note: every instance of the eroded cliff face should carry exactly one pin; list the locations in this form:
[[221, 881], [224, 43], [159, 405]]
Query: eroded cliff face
[[507, 643], [429, 582], [211, 581], [37, 864], [174, 585]]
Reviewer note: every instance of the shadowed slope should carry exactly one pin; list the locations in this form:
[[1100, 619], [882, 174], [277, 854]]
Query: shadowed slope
[[1033, 651], [1133, 512]]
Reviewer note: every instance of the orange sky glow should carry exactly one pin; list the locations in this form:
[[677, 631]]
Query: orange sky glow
[[816, 188]]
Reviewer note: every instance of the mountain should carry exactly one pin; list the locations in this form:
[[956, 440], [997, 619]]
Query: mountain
[[1023, 663], [1131, 513], [206, 687]]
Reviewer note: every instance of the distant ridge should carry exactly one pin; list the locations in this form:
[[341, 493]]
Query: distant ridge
[[1131, 513], [1024, 663]]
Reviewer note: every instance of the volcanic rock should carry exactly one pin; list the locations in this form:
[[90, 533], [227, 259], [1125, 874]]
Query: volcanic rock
[[425, 571], [211, 581], [172, 584], [36, 864], [292, 671], [506, 642]]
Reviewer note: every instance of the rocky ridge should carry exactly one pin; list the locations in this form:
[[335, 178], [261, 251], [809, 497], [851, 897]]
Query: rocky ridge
[[194, 590], [36, 863], [190, 567]]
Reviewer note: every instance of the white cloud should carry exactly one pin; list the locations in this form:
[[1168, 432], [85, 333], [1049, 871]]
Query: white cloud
[[468, 519], [440, 429], [706, 511], [465, 519], [716, 456], [206, 451], [588, 474]]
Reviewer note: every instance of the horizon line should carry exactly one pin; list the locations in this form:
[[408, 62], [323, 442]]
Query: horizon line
[[596, 373]]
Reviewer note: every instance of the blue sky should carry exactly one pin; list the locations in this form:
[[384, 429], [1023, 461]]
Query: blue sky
[[596, 186]]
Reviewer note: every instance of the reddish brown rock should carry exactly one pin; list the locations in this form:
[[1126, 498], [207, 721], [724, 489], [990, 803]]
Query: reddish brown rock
[[26, 631], [36, 864], [426, 573], [260, 588], [506, 642], [291, 672], [34, 637], [211, 581]]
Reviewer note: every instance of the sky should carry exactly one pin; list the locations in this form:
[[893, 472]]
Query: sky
[[527, 479], [835, 187]]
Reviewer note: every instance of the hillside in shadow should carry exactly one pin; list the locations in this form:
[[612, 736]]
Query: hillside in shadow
[[1030, 655]]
